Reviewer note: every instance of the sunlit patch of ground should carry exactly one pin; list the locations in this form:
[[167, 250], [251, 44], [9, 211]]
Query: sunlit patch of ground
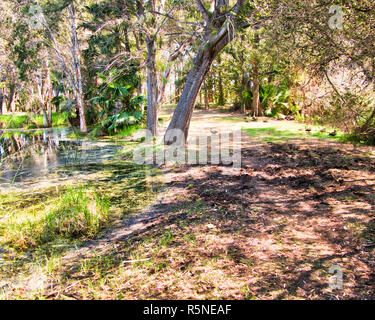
[[271, 231]]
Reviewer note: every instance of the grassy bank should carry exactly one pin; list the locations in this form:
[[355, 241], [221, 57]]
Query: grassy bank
[[276, 134], [27, 121], [39, 227], [97, 132]]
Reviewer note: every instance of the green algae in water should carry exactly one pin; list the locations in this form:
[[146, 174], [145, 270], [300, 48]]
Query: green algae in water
[[125, 186]]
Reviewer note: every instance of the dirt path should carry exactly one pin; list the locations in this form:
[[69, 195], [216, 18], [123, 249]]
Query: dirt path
[[271, 231]]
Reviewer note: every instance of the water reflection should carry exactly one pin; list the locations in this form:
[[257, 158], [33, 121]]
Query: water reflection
[[26, 155]]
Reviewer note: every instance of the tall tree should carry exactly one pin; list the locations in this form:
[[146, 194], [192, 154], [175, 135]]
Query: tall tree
[[69, 60], [219, 30], [154, 19]]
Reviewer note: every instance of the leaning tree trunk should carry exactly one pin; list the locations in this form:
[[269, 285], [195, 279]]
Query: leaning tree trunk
[[184, 110], [212, 43], [207, 52]]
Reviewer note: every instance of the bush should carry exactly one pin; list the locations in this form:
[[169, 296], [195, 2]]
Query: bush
[[118, 122]]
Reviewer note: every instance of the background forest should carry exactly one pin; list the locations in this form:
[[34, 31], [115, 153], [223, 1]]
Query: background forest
[[97, 64]]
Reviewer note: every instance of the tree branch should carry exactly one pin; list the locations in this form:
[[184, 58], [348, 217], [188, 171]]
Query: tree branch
[[202, 10]]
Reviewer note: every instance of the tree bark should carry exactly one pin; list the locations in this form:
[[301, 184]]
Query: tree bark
[[244, 88], [1, 101], [256, 101], [48, 94], [11, 104], [221, 100], [76, 68], [152, 87], [184, 110], [45, 118]]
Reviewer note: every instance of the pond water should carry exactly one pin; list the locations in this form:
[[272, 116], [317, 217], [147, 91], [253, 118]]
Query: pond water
[[31, 155]]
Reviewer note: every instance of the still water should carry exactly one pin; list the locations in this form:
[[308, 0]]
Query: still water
[[31, 155]]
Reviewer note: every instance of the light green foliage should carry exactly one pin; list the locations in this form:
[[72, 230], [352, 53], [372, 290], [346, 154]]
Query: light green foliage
[[32, 121]]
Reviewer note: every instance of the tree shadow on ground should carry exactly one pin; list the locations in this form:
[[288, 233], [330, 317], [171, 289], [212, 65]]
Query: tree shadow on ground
[[270, 232]]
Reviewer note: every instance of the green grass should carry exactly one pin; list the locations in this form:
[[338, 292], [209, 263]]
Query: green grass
[[38, 227], [14, 122], [78, 212], [76, 134], [128, 131], [31, 121], [274, 134], [9, 134], [97, 132], [39, 220]]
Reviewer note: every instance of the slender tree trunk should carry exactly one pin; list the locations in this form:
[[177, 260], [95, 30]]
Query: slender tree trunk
[[244, 82], [44, 87], [152, 87], [48, 97], [11, 104], [206, 103], [221, 100], [256, 101], [2, 95], [82, 112], [1, 101], [45, 117], [77, 75], [140, 83]]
